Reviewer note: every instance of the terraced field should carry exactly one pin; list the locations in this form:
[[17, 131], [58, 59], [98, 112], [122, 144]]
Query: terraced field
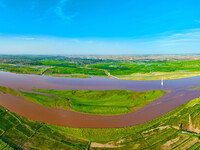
[[20, 133]]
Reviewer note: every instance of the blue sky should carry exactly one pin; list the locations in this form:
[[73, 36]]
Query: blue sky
[[99, 26]]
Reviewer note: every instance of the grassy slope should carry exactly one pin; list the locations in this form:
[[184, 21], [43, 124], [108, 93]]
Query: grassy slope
[[161, 133], [18, 132], [108, 102]]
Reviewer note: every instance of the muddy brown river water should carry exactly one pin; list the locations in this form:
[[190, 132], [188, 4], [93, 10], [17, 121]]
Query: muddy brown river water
[[179, 95]]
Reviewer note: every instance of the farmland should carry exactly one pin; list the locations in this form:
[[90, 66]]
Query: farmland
[[81, 67], [18, 132], [99, 75], [177, 129]]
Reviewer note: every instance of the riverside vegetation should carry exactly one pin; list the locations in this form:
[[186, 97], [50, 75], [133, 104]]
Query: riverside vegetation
[[108, 102], [83, 67], [178, 129]]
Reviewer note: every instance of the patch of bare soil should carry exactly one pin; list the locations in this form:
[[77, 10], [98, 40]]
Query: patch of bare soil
[[106, 145]]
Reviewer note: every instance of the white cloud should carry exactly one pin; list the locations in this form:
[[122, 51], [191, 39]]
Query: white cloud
[[176, 43], [188, 35], [187, 41], [59, 10], [25, 38]]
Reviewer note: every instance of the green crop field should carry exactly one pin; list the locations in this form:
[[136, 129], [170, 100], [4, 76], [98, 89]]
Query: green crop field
[[24, 69], [86, 67], [69, 70], [17, 132], [152, 70], [108, 102]]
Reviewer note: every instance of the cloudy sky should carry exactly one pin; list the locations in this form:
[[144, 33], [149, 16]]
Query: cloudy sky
[[99, 26]]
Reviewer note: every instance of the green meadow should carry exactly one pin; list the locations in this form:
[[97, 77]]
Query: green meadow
[[7, 90], [151, 70], [107, 102]]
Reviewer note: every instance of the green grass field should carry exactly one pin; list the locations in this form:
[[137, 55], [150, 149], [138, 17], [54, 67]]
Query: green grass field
[[154, 70], [74, 71], [127, 68], [23, 69], [6, 90], [158, 75], [108, 102], [84, 68]]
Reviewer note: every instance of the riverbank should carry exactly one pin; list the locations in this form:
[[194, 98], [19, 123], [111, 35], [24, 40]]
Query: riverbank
[[158, 76], [167, 132]]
